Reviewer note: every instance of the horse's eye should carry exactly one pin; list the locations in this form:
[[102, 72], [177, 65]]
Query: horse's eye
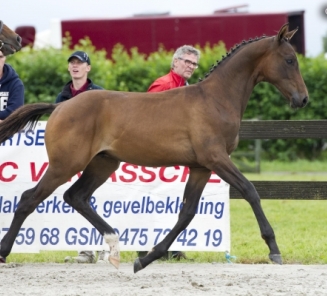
[[289, 61]]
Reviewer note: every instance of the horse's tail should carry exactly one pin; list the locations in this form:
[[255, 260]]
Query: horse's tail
[[25, 116]]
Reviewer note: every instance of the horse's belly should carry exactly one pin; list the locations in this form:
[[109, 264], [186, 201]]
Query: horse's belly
[[154, 155]]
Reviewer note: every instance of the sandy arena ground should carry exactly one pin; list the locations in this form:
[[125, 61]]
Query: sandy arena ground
[[162, 279]]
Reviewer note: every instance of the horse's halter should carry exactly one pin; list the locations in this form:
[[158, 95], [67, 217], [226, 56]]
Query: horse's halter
[[1, 42]]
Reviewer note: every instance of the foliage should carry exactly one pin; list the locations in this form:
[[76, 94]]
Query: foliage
[[44, 73]]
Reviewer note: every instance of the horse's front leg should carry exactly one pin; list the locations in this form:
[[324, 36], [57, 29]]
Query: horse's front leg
[[197, 180], [226, 170]]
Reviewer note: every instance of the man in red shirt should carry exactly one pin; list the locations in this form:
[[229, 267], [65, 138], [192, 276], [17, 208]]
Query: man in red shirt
[[185, 61]]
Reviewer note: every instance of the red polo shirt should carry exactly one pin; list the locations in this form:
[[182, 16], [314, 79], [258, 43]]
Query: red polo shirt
[[169, 81]]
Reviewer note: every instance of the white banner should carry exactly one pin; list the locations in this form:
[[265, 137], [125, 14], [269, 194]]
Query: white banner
[[140, 203]]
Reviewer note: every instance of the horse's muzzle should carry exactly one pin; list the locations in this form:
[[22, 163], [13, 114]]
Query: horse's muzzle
[[299, 102]]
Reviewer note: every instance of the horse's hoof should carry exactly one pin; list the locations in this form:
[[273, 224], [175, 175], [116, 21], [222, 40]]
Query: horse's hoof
[[2, 260], [137, 265], [276, 258], [114, 261]]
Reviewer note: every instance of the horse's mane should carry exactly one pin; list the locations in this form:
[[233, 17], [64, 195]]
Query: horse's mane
[[230, 53]]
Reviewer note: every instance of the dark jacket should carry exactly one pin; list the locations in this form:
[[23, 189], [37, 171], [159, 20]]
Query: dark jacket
[[66, 93], [11, 92]]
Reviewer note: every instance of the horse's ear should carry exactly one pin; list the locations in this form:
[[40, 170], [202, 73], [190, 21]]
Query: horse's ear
[[289, 35], [284, 34]]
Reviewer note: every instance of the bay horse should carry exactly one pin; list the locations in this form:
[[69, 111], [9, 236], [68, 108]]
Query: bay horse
[[10, 42], [195, 126]]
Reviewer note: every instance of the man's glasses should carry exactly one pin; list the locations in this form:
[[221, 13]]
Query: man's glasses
[[189, 63]]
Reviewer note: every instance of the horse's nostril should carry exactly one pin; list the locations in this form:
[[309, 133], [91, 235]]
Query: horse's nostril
[[19, 39], [305, 101]]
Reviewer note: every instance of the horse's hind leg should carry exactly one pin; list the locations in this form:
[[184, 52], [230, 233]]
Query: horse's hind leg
[[197, 180], [78, 196], [226, 170], [30, 199]]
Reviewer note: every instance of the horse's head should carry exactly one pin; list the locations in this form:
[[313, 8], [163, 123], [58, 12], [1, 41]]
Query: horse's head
[[281, 68], [10, 42]]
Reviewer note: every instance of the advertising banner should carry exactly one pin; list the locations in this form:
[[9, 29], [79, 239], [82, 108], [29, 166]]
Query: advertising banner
[[141, 203]]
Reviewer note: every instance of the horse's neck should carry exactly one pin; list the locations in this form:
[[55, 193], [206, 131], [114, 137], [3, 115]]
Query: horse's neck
[[235, 77]]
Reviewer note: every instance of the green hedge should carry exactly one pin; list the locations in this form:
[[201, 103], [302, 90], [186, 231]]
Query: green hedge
[[44, 72]]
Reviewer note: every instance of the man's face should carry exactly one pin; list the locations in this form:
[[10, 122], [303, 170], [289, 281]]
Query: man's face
[[2, 61], [78, 69], [186, 65]]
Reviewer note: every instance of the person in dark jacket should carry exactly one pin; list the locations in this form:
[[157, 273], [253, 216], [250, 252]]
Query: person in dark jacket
[[79, 65], [11, 89]]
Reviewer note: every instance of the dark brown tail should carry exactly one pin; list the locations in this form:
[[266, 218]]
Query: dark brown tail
[[25, 116]]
